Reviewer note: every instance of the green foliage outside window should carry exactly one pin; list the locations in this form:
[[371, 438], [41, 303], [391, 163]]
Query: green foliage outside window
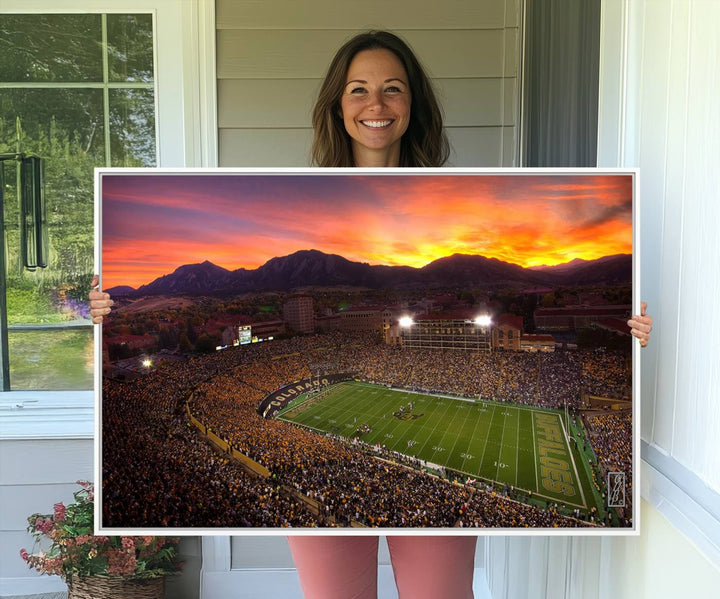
[[76, 90]]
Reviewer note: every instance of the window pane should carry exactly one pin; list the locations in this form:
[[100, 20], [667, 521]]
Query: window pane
[[130, 47], [132, 127], [50, 48], [51, 360], [53, 122], [66, 127]]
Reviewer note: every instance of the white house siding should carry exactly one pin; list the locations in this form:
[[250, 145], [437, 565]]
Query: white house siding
[[271, 58], [34, 475]]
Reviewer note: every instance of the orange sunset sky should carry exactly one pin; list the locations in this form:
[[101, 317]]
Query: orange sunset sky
[[152, 223]]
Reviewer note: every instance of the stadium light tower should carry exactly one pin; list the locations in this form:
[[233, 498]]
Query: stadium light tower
[[483, 321], [406, 322], [406, 333]]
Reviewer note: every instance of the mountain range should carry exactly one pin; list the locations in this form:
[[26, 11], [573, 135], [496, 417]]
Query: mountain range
[[312, 268]]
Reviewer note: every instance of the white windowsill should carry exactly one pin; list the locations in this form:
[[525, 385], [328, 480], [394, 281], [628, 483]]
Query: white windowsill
[[687, 502], [40, 587], [46, 415]]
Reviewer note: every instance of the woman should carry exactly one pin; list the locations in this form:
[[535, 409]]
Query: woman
[[377, 108]]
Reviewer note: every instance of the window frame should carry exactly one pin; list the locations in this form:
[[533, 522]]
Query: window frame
[[106, 85], [186, 136]]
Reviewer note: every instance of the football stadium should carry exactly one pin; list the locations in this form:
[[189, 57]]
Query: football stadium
[[341, 430]]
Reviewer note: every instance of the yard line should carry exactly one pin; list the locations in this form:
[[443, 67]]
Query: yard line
[[457, 436], [492, 416], [577, 476], [517, 448], [390, 423], [537, 482], [477, 421], [432, 432], [502, 438]]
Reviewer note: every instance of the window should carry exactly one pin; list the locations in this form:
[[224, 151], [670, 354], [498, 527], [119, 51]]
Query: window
[[77, 90]]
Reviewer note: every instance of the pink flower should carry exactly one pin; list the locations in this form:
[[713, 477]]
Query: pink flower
[[121, 562], [128, 543], [44, 526], [53, 565], [59, 512], [25, 555]]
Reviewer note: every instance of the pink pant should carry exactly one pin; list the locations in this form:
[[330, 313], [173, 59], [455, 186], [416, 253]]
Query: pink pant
[[340, 567]]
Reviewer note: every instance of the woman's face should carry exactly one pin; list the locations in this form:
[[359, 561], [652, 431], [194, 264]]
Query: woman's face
[[375, 107]]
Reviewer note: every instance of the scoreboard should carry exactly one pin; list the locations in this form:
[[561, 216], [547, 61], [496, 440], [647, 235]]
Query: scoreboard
[[244, 334]]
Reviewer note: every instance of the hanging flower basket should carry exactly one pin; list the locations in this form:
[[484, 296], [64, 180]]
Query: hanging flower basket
[[98, 567], [116, 587]]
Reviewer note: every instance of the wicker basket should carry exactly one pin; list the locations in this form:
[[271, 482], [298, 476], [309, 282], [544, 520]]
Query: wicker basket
[[116, 587]]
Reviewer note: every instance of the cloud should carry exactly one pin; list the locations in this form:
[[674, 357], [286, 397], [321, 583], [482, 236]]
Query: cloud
[[153, 223]]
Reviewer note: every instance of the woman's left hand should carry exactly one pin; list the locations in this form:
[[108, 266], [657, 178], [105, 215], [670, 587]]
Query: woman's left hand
[[640, 326], [99, 302]]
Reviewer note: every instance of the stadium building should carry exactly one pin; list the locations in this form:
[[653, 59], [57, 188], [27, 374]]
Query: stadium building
[[446, 331], [380, 319], [244, 333], [506, 332], [578, 317], [537, 343], [329, 323], [465, 331], [361, 319], [298, 313]]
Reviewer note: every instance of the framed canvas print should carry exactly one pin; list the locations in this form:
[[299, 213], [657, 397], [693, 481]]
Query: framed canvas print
[[349, 350]]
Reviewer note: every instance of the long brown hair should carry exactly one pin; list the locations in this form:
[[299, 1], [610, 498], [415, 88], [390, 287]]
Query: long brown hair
[[423, 144]]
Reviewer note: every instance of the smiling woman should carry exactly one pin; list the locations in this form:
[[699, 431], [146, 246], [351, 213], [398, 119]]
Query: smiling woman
[[377, 108]]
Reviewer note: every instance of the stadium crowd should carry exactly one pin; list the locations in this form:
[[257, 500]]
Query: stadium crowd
[[548, 380], [611, 438], [159, 471]]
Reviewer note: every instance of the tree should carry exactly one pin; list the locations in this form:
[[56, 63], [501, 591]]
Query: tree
[[206, 343], [184, 342], [66, 127], [168, 338], [191, 333], [548, 300]]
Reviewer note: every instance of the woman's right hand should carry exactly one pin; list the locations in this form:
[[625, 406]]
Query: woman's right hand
[[100, 302]]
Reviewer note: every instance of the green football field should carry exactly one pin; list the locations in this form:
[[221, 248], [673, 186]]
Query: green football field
[[507, 443]]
